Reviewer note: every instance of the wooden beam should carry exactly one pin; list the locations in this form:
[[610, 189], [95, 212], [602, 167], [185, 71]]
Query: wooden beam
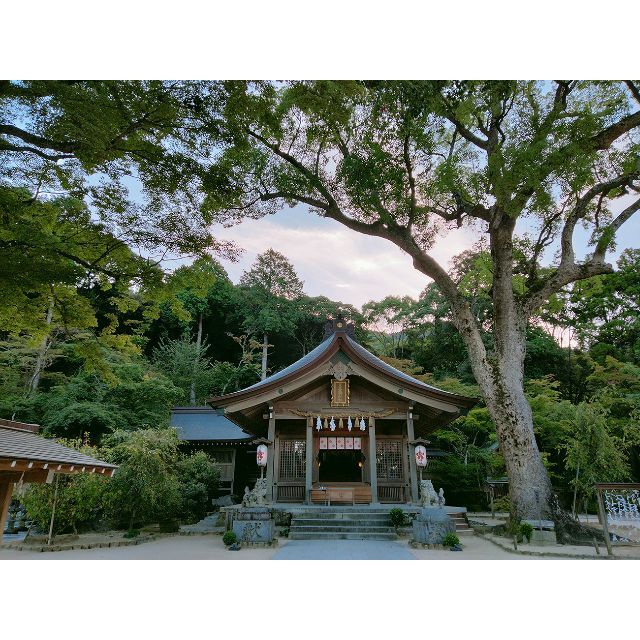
[[6, 491]]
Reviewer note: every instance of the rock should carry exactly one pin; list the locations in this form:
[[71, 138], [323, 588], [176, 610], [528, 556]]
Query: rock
[[431, 526], [223, 501]]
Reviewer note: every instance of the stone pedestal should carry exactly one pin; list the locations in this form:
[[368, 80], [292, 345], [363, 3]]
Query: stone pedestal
[[254, 525], [431, 526]]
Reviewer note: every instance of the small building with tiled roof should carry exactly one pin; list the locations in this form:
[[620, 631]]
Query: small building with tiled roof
[[27, 457], [340, 416]]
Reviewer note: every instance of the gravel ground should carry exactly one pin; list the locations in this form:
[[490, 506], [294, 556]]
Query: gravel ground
[[211, 548]]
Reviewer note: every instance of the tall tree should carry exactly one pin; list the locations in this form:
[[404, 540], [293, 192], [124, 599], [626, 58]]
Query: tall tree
[[272, 284], [406, 161]]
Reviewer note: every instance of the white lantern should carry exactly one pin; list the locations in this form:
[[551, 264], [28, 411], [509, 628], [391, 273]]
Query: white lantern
[[261, 455], [421, 456]]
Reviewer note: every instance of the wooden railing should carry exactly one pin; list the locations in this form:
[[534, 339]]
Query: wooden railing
[[291, 492], [394, 493]]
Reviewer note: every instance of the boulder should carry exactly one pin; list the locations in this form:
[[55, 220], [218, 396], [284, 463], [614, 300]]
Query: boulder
[[431, 526]]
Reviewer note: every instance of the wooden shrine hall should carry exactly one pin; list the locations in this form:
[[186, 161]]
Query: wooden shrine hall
[[340, 424]]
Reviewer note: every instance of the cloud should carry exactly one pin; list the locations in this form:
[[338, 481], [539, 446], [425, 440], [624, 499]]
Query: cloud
[[334, 261]]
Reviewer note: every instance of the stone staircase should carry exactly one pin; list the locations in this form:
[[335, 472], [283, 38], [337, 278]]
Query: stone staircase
[[336, 523], [353, 523], [462, 525]]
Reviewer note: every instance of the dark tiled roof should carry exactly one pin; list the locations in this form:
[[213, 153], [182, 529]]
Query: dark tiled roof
[[203, 423], [19, 444]]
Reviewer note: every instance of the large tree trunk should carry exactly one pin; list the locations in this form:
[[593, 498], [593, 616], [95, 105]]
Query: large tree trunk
[[265, 347], [500, 376], [192, 393], [34, 382]]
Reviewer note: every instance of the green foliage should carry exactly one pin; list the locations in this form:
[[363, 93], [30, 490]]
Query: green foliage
[[132, 533], [229, 538], [526, 530], [199, 478], [451, 540], [80, 502], [144, 489], [397, 517]]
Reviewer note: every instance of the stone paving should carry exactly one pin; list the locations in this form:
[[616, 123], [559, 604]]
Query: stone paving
[[343, 550]]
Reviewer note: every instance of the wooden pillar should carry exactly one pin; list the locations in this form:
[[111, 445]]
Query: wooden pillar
[[6, 491], [373, 465], [309, 461], [271, 436], [413, 472], [604, 521]]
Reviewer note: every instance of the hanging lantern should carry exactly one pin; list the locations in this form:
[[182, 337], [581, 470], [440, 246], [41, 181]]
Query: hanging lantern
[[421, 456], [363, 426], [318, 423], [262, 454], [349, 423], [332, 424]]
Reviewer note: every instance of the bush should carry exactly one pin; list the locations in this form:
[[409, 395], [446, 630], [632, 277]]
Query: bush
[[80, 503], [526, 530], [229, 538], [132, 533], [397, 517], [199, 478], [451, 540], [145, 488]]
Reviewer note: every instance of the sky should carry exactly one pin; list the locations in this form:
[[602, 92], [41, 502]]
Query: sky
[[353, 268]]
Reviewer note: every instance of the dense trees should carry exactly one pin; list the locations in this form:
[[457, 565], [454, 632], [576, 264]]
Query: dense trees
[[404, 161], [101, 180]]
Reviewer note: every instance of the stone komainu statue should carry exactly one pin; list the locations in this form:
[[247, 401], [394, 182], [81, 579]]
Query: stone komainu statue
[[257, 496], [428, 495]]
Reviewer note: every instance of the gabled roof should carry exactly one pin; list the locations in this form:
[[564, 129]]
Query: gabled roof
[[205, 424], [341, 340], [20, 444]]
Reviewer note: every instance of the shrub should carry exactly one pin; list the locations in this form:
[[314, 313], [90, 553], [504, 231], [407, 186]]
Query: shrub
[[450, 540], [132, 533], [526, 530], [229, 538], [397, 517], [199, 477], [80, 503]]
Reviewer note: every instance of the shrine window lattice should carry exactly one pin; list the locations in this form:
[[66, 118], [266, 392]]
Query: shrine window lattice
[[389, 460], [292, 459]]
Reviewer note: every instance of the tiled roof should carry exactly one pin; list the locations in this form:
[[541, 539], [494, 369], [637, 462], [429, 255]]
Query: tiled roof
[[19, 444], [203, 423]]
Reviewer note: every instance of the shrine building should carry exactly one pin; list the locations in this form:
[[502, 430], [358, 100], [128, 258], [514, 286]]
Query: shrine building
[[339, 417]]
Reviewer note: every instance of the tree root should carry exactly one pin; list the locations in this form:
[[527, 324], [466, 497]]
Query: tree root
[[569, 530]]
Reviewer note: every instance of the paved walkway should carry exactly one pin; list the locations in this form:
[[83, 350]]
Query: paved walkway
[[343, 550]]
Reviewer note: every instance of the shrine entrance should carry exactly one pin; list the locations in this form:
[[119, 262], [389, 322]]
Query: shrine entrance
[[340, 466]]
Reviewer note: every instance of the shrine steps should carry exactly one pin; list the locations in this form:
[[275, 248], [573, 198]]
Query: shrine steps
[[339, 524], [353, 523]]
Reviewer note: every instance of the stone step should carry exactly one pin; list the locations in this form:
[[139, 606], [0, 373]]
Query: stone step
[[332, 535], [346, 528], [315, 520], [341, 516]]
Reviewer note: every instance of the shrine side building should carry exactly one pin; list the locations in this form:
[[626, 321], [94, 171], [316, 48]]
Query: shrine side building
[[339, 417]]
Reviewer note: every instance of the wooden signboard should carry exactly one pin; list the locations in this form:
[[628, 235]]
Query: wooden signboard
[[323, 443]]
